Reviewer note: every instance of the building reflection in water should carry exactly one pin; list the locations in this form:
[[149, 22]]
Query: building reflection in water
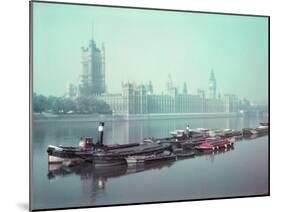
[[124, 132]]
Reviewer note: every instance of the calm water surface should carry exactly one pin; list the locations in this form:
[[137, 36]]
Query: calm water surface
[[238, 172]]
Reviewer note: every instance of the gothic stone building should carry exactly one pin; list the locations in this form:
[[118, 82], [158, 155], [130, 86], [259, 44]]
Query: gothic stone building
[[140, 99]]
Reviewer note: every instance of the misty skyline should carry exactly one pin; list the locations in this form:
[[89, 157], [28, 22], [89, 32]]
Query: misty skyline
[[143, 45]]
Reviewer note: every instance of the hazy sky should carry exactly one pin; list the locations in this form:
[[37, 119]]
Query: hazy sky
[[143, 45]]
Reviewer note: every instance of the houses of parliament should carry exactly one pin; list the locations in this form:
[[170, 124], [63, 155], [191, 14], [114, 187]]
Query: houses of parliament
[[140, 98]]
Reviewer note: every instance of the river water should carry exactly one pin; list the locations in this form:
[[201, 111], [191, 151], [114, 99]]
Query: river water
[[242, 171]]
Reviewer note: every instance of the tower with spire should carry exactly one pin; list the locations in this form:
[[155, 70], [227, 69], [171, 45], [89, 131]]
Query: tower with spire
[[171, 89], [92, 80], [184, 90], [212, 85]]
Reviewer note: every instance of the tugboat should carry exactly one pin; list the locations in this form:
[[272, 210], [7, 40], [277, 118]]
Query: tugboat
[[78, 154], [100, 154], [83, 152]]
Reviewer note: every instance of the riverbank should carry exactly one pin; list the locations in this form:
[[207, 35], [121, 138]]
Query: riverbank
[[102, 117]]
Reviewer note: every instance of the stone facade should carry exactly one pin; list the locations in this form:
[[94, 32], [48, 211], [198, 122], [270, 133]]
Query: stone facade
[[135, 99], [92, 80], [140, 99]]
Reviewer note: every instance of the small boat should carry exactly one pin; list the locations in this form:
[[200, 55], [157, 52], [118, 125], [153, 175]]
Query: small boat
[[215, 144], [193, 135], [261, 130], [196, 139], [228, 133], [142, 159], [179, 134], [249, 132], [203, 131], [185, 154], [215, 133]]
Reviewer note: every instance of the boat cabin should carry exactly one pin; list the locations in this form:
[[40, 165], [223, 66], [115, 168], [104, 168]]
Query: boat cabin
[[179, 134], [86, 143]]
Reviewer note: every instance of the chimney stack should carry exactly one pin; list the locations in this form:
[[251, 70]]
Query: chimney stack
[[100, 133]]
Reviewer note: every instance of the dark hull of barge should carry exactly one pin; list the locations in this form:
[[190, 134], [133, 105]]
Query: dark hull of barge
[[187, 143], [248, 132], [118, 156], [75, 155], [213, 152], [185, 154], [199, 151]]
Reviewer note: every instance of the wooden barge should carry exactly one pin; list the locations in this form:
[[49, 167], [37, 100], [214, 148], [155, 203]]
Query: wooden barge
[[181, 139], [215, 144], [119, 156], [185, 154], [141, 159], [181, 144], [259, 131]]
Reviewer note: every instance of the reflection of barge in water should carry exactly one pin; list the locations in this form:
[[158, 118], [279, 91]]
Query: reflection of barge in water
[[213, 153], [87, 170]]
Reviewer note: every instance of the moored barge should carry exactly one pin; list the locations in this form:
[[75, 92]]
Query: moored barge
[[142, 159], [186, 139], [100, 154], [260, 130], [215, 144], [118, 156]]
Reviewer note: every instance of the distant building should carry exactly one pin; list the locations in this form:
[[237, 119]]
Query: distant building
[[70, 91], [184, 90], [140, 98], [231, 103], [136, 99], [212, 86], [92, 81], [171, 89]]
